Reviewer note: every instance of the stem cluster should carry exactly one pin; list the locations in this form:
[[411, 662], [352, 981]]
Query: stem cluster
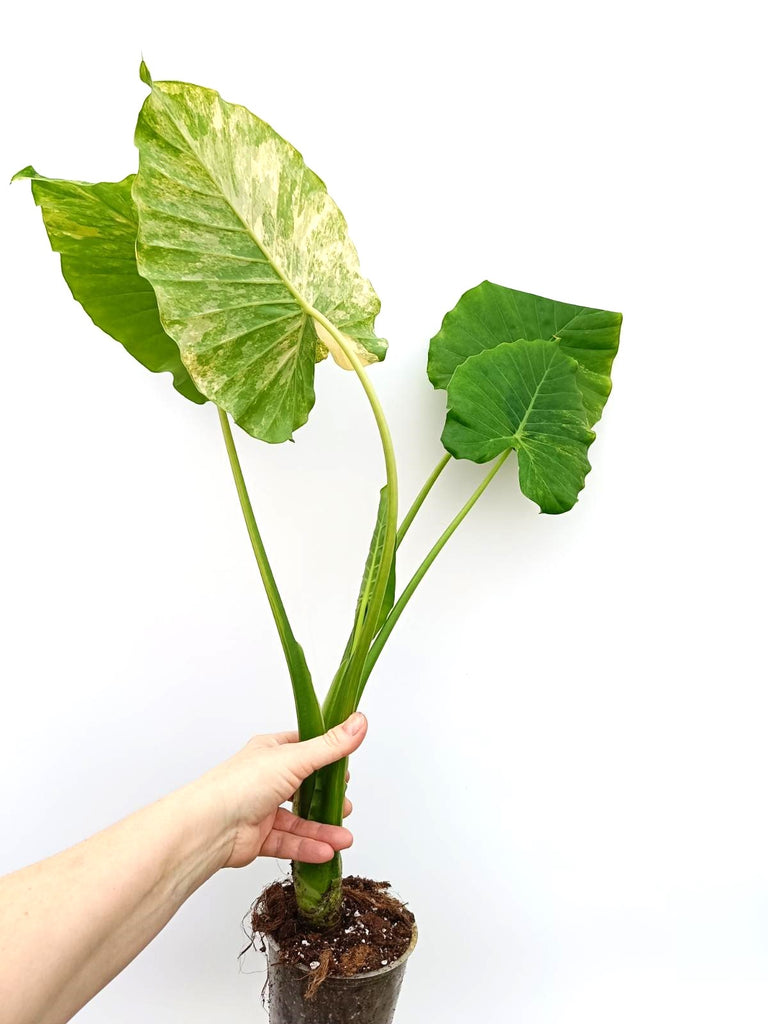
[[321, 798]]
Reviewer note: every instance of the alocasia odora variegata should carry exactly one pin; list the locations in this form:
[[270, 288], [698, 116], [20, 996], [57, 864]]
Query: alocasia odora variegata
[[225, 262]]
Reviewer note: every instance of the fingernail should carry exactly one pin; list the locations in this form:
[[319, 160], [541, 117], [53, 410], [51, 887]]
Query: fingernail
[[354, 724]]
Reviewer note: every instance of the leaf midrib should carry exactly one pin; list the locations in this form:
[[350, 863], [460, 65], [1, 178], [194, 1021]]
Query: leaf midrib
[[518, 435], [305, 306]]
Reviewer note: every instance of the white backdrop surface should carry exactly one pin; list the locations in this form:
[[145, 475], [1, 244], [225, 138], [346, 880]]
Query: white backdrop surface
[[565, 772]]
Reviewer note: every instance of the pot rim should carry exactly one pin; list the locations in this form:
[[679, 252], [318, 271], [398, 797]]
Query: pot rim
[[400, 962]]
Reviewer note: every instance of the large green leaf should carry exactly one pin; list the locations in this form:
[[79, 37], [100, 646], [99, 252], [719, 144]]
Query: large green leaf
[[244, 248], [523, 395], [94, 228], [488, 315]]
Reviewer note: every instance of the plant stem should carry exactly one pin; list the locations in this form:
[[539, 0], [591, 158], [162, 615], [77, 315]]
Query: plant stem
[[341, 707], [268, 578], [421, 496], [308, 713], [318, 892], [417, 577], [318, 886]]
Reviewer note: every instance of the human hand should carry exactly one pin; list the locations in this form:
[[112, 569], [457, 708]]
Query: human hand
[[246, 792]]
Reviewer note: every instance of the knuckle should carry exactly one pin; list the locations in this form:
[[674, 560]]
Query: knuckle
[[279, 849], [332, 739], [290, 783]]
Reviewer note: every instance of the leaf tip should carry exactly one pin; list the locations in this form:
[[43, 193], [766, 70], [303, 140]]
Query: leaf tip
[[144, 74], [25, 172], [554, 509]]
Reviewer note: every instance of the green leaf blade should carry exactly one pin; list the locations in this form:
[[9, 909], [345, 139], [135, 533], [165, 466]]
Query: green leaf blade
[[490, 315], [242, 243], [523, 395], [93, 228]]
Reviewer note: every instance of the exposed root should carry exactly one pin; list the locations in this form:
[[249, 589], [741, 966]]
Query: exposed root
[[375, 930], [319, 975]]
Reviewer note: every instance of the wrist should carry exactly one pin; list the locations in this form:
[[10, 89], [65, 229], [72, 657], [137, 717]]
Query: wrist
[[205, 834]]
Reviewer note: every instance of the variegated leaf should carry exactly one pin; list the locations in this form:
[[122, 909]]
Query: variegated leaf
[[244, 248], [93, 228]]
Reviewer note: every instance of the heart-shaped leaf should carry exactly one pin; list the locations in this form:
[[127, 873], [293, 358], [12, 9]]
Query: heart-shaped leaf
[[244, 248], [523, 395], [94, 228], [489, 315]]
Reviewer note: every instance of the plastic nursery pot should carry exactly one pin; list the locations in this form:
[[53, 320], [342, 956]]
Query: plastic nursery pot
[[359, 999]]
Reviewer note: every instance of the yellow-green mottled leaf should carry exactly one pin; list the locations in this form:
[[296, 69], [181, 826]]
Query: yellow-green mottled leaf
[[93, 227], [523, 395], [244, 247]]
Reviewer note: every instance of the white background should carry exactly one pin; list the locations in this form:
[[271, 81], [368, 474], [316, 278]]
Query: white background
[[566, 768]]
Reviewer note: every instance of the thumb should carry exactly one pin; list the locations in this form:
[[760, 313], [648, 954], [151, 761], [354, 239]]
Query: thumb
[[306, 757]]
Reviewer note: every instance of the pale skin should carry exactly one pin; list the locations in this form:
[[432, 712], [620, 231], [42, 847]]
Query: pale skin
[[94, 907]]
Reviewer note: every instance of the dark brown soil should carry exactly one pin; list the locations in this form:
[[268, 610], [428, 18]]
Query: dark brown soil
[[375, 929]]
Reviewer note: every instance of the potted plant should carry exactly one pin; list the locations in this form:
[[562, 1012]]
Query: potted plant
[[225, 262]]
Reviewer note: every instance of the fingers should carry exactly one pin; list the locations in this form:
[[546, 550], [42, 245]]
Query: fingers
[[291, 736], [335, 835], [293, 838], [287, 847], [305, 758], [348, 805], [272, 739], [286, 737]]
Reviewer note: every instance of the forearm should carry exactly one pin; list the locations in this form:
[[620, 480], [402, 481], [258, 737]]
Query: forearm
[[69, 924]]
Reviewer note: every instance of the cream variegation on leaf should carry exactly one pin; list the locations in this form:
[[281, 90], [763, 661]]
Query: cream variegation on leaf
[[246, 252]]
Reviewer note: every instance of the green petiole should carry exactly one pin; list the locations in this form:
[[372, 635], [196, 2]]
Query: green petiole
[[418, 576], [308, 712], [418, 501]]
